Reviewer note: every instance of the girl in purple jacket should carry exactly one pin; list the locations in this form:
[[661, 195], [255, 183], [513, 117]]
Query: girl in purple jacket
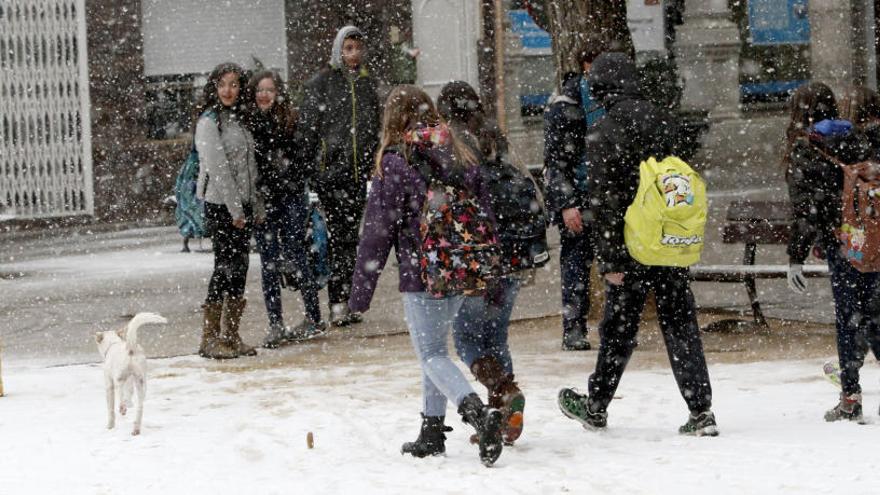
[[392, 218]]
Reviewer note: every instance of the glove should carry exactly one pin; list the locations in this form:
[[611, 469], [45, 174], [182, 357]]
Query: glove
[[796, 280]]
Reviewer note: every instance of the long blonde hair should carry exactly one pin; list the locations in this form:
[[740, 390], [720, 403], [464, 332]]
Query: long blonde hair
[[406, 107]]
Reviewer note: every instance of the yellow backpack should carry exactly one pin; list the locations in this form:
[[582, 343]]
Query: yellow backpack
[[666, 223]]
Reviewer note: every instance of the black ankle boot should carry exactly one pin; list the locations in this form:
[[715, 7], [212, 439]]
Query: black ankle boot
[[487, 422], [431, 439]]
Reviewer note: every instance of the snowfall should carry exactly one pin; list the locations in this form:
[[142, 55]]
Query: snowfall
[[242, 426]]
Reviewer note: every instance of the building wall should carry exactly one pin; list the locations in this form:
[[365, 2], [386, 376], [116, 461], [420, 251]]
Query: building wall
[[131, 174], [447, 32], [193, 36]]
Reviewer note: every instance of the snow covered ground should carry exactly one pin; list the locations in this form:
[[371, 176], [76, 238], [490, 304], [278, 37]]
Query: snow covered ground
[[213, 428]]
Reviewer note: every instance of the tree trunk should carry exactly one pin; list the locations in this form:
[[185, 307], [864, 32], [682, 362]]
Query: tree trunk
[[573, 23]]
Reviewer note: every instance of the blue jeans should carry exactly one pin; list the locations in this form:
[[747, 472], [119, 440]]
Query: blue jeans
[[857, 327], [480, 329], [576, 254], [428, 319], [283, 235]]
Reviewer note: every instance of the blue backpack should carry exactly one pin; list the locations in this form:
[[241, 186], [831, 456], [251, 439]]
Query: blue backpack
[[317, 239], [190, 211]]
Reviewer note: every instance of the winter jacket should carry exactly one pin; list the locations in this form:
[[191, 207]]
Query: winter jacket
[[339, 125], [228, 172], [631, 131], [274, 149], [815, 185], [871, 133], [392, 219], [565, 128]]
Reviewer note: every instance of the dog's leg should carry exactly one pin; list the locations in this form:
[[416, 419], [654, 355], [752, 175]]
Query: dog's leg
[[140, 387], [111, 401], [125, 400]]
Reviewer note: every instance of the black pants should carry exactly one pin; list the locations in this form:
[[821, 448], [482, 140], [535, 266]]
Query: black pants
[[343, 208], [575, 260], [676, 311], [856, 319], [231, 249]]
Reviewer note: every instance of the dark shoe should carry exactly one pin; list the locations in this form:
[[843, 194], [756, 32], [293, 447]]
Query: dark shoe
[[234, 311], [432, 438], [700, 425], [849, 408], [275, 338], [504, 395], [574, 338], [487, 421], [341, 316], [577, 407], [212, 345], [306, 330]]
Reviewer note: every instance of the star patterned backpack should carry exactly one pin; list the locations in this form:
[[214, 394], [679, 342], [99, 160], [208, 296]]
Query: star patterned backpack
[[460, 252]]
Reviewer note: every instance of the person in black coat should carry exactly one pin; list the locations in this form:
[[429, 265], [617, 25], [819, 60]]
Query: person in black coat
[[817, 143], [631, 131], [566, 121], [338, 133], [861, 106], [282, 238]]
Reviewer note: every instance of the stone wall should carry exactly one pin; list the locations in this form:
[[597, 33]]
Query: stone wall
[[116, 88], [132, 175]]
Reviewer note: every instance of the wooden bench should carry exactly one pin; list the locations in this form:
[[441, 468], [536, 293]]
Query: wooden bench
[[752, 223]]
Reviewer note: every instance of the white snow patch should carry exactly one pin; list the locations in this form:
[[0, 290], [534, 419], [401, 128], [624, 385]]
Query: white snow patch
[[210, 431]]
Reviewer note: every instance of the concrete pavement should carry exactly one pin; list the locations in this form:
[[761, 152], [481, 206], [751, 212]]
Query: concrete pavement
[[56, 291]]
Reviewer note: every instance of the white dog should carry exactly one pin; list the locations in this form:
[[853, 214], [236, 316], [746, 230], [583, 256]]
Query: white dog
[[125, 367]]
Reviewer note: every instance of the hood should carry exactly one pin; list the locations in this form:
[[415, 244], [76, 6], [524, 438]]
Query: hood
[[336, 53], [612, 75], [571, 86]]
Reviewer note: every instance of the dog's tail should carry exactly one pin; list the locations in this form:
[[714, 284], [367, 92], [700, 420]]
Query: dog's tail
[[131, 331]]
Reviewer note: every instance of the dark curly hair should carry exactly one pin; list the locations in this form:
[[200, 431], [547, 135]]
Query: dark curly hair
[[210, 100]]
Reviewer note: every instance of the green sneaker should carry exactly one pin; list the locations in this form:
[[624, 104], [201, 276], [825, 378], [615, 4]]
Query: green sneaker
[[576, 406], [700, 425]]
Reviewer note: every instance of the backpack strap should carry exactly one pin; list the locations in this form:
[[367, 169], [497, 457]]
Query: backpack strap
[[211, 115]]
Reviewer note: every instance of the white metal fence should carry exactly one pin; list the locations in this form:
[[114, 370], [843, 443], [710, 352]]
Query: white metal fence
[[45, 135]]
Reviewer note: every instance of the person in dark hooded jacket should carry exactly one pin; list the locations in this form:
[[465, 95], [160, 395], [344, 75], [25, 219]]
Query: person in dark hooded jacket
[[861, 106], [631, 131], [565, 174], [338, 133], [480, 327], [817, 142], [282, 237]]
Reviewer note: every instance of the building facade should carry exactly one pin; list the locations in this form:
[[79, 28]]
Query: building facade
[[96, 96]]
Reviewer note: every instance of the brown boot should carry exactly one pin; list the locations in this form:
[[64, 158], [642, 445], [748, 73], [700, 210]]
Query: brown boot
[[504, 394], [212, 345], [234, 310]]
